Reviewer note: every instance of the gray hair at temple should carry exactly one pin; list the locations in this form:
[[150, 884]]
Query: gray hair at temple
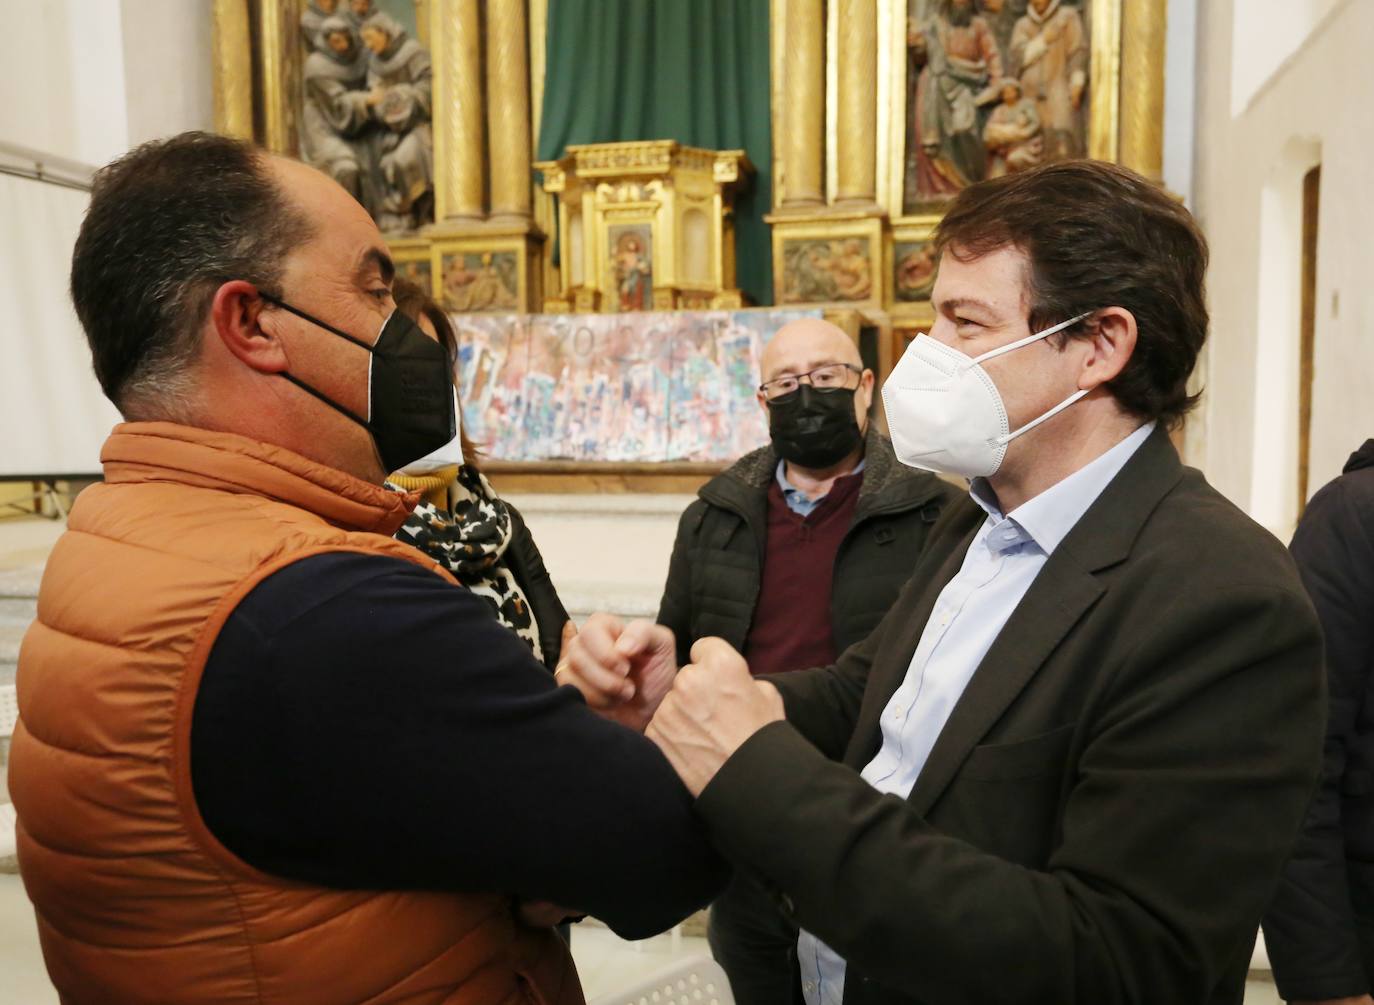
[[168, 224]]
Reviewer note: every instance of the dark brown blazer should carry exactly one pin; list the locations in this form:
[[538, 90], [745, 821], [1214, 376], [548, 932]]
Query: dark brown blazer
[[1105, 814]]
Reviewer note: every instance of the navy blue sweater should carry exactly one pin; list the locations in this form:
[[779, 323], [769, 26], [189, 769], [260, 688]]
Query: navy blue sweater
[[363, 724]]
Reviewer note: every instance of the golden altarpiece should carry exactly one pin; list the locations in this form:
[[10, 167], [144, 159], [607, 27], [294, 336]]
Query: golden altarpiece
[[649, 225], [881, 111]]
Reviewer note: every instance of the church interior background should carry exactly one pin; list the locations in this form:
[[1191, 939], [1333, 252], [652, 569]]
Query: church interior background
[[619, 201]]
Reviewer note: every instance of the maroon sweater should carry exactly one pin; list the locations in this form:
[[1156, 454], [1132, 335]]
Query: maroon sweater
[[791, 627]]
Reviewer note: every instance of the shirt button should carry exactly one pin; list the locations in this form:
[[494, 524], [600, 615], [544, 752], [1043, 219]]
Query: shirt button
[[897, 712], [810, 987]]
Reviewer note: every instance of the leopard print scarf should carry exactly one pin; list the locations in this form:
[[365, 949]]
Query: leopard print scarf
[[465, 526]]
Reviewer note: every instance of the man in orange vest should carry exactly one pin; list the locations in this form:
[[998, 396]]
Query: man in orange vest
[[267, 753]]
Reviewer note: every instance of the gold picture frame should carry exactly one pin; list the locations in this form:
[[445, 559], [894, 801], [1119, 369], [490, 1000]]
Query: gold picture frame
[[1107, 93], [258, 59]]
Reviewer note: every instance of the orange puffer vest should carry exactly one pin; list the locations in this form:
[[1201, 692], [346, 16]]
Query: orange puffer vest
[[136, 900]]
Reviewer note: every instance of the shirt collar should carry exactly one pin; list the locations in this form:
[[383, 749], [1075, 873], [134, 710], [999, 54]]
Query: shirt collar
[[1048, 518], [789, 490]]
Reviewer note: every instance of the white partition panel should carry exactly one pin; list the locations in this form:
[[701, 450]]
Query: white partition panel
[[53, 416]]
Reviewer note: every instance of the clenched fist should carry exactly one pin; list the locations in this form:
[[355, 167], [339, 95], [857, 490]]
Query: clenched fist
[[714, 706], [623, 671]]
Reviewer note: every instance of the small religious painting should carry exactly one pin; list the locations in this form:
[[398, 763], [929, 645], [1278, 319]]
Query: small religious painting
[[366, 95], [631, 265], [993, 87], [417, 271], [913, 270], [480, 281], [820, 270]]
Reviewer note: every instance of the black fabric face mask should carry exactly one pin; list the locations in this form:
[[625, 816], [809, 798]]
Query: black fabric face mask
[[814, 428], [410, 389]]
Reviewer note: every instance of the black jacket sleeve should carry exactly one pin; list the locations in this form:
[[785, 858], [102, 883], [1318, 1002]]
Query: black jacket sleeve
[[675, 609], [1118, 915], [1310, 929], [528, 566], [363, 724]]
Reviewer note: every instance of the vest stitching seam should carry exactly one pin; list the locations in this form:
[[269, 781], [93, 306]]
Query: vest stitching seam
[[480, 923]]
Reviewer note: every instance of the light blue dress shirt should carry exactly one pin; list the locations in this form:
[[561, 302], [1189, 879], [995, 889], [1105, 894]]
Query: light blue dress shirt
[[1006, 555], [798, 501]]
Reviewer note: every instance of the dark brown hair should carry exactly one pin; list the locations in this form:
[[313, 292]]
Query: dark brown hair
[[1099, 235], [168, 223], [414, 302]]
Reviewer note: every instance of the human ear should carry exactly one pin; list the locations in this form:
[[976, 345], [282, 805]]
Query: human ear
[[239, 321], [1111, 345]]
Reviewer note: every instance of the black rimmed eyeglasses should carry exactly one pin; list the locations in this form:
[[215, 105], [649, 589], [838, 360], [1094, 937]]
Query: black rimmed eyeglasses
[[830, 377]]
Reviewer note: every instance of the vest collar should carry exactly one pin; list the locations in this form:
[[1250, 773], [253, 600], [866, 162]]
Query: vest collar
[[184, 455]]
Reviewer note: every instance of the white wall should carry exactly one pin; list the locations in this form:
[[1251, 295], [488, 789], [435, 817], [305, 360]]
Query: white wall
[[62, 74], [1180, 97], [167, 67], [1264, 33], [82, 80], [87, 79], [1314, 105]]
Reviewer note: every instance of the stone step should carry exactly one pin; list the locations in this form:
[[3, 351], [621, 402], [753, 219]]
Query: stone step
[[20, 582], [18, 608], [627, 600], [10, 638]]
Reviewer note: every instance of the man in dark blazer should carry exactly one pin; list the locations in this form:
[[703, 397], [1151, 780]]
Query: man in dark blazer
[[1068, 765]]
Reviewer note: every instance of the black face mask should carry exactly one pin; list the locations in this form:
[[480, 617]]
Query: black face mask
[[814, 428], [410, 390]]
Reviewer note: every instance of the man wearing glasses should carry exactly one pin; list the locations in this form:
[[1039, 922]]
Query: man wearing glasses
[[792, 555]]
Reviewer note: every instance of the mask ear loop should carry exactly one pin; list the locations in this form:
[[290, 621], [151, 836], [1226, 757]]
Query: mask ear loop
[[1004, 440], [1036, 337], [371, 362]]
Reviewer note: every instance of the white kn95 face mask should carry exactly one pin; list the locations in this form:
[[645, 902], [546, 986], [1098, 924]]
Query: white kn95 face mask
[[944, 413]]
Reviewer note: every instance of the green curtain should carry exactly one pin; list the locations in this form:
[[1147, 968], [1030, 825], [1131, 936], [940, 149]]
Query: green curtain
[[695, 71]]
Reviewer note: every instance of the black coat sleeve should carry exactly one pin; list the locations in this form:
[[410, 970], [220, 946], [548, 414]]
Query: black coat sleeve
[[675, 609], [1133, 905], [1310, 929], [546, 606], [361, 723]]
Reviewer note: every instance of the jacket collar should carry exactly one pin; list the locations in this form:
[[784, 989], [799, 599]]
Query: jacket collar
[[185, 455], [1061, 595], [1362, 458], [888, 484]]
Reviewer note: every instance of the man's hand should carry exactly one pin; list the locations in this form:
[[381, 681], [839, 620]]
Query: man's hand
[[623, 671], [715, 705]]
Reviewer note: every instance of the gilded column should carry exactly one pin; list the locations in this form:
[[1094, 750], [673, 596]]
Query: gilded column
[[857, 100], [804, 122], [233, 61], [458, 111], [508, 109], [1142, 102]]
